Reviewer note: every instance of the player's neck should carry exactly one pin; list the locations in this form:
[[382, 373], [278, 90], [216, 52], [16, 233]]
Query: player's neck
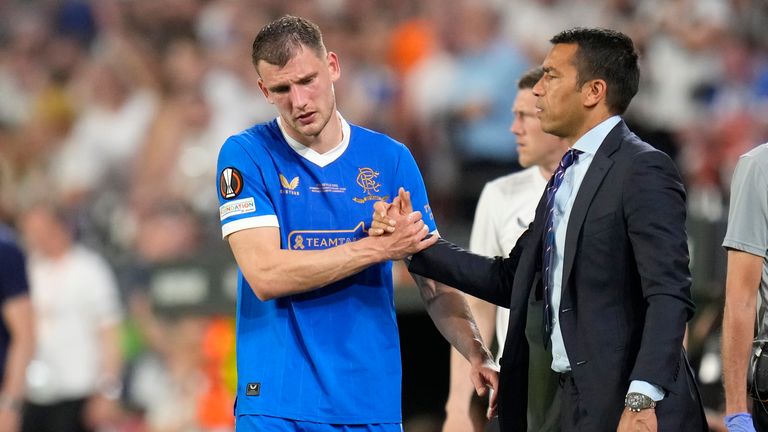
[[328, 138]]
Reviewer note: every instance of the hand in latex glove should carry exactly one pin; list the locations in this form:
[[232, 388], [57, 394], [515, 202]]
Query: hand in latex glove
[[739, 422]]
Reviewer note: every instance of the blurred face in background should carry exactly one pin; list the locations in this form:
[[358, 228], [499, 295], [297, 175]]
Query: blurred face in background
[[534, 146], [302, 91], [44, 233]]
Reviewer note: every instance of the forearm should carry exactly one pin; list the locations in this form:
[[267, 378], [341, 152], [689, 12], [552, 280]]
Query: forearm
[[487, 278], [287, 272], [110, 374], [19, 355], [460, 386], [741, 286], [17, 314], [449, 311], [738, 327]]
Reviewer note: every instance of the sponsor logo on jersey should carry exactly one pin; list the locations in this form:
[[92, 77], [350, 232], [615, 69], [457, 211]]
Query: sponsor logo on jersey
[[327, 188], [232, 208], [367, 180], [289, 187], [230, 183], [322, 239]]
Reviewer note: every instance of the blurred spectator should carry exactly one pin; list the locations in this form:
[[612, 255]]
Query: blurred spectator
[[75, 379], [117, 108], [479, 99], [16, 330]]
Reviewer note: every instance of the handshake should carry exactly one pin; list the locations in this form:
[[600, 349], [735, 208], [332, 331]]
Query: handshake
[[400, 229]]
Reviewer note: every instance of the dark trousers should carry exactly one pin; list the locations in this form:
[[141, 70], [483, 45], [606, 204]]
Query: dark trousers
[[64, 416], [572, 417], [760, 415]]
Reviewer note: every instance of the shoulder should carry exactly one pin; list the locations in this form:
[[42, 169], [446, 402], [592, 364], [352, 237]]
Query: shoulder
[[256, 138], [524, 181], [371, 137], [85, 256], [755, 159]]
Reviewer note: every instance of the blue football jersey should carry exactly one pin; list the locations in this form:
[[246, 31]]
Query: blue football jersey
[[331, 355]]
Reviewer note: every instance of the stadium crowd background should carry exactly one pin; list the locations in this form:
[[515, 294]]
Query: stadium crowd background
[[114, 110]]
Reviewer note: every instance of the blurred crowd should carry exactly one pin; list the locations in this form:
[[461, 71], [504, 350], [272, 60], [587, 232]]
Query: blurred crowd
[[112, 113]]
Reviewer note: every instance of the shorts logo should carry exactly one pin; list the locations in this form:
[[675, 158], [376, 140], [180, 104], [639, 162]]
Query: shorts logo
[[366, 179], [253, 389], [289, 187], [230, 183]]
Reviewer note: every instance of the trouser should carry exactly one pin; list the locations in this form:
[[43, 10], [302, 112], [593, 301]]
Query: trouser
[[65, 416], [760, 415]]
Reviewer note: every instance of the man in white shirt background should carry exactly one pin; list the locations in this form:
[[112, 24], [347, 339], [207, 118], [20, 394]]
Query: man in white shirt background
[[505, 209]]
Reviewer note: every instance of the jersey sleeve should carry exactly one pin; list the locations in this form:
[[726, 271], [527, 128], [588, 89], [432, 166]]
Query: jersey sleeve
[[409, 177], [243, 199], [13, 272], [748, 214]]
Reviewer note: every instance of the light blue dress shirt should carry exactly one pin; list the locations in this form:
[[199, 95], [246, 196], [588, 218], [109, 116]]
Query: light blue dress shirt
[[564, 198]]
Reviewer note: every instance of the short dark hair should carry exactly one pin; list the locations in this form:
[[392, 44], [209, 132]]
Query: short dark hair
[[279, 41], [608, 55], [530, 78]]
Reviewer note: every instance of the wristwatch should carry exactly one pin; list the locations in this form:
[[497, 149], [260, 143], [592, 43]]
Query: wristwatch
[[637, 402]]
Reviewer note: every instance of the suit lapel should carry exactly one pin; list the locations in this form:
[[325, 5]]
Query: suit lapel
[[599, 167]]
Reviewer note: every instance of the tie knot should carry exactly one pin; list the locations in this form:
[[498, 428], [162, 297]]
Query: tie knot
[[570, 157]]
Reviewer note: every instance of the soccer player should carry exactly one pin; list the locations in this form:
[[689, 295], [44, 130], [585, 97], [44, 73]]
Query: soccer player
[[317, 340]]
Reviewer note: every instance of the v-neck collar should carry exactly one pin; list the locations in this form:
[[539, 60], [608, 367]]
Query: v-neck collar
[[320, 159]]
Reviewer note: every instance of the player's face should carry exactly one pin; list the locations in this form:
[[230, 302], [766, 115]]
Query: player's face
[[534, 146], [302, 91], [559, 104]]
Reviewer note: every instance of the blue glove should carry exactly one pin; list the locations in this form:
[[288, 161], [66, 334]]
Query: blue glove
[[739, 422]]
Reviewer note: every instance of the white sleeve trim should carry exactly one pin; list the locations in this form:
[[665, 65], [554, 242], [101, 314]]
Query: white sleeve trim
[[251, 222]]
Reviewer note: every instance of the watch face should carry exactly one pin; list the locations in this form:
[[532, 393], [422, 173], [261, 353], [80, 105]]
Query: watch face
[[637, 402]]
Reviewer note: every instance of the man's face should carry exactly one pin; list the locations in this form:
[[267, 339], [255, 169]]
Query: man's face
[[302, 92], [559, 104], [534, 146]]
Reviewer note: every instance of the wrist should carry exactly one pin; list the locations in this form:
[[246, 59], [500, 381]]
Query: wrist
[[637, 402], [110, 388], [10, 403]]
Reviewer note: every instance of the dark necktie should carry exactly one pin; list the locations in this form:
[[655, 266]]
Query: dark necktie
[[568, 159]]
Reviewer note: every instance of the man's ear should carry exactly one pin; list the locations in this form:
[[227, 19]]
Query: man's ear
[[593, 92], [334, 67], [265, 91]]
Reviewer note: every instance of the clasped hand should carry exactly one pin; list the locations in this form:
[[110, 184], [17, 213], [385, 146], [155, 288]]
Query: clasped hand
[[411, 236]]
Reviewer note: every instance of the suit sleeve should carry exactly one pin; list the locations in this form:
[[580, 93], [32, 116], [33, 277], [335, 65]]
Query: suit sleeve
[[489, 279], [655, 211]]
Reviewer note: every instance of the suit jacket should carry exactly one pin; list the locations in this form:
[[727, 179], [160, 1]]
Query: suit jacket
[[625, 290]]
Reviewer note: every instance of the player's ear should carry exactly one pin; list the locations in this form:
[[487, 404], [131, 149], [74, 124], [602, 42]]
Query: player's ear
[[334, 67], [265, 91]]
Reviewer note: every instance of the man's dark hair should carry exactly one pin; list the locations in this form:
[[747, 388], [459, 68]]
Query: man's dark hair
[[279, 41], [530, 78], [608, 55]]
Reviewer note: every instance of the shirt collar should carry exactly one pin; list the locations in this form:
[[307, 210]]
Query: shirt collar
[[320, 159], [590, 141]]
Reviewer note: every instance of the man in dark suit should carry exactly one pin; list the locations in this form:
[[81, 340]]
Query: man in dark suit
[[606, 253]]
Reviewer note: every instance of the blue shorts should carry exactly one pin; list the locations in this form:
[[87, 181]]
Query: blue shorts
[[259, 423]]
